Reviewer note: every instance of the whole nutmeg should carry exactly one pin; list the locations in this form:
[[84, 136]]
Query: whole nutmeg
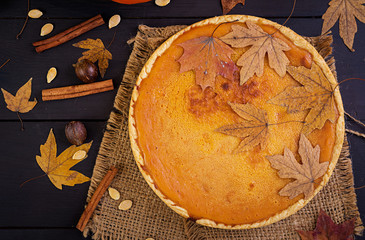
[[75, 132], [86, 71]]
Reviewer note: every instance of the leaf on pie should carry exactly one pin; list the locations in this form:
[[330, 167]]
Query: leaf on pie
[[227, 5], [208, 57], [252, 61], [56, 167], [20, 102], [304, 174], [326, 229], [253, 130], [316, 94], [97, 52], [346, 11]]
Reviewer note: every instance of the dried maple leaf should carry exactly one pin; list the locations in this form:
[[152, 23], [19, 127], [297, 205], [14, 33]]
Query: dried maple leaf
[[208, 57], [227, 5], [253, 130], [346, 11], [304, 174], [20, 102], [97, 52], [316, 94], [57, 168], [252, 61], [326, 229]]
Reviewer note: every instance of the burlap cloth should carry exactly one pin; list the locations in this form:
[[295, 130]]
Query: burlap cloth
[[150, 217]]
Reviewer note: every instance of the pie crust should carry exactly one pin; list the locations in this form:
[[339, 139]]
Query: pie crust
[[296, 40]]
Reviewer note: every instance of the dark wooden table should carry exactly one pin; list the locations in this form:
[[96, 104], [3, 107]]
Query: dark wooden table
[[38, 210]]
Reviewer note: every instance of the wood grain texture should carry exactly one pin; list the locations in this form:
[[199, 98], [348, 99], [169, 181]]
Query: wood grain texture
[[38, 203]]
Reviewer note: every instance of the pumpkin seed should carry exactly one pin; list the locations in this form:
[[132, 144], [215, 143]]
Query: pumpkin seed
[[162, 3], [35, 13], [114, 21], [113, 193], [81, 154], [125, 205], [46, 29], [52, 73]]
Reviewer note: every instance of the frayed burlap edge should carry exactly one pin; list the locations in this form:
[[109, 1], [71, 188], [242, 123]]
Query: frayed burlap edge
[[108, 156]]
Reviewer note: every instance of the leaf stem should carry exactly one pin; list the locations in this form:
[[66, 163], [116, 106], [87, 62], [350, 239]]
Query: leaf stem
[[220, 25], [21, 122], [115, 32], [34, 178], [25, 23], [287, 19], [345, 80], [4, 63], [357, 188]]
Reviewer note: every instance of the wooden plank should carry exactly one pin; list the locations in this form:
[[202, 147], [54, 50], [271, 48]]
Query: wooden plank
[[42, 234], [38, 203], [177, 8], [25, 63]]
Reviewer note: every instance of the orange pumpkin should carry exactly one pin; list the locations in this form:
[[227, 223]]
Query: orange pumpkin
[[130, 1]]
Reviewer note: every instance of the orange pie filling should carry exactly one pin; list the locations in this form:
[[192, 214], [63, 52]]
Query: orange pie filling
[[192, 164]]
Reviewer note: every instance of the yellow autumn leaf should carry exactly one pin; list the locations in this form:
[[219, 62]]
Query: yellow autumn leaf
[[20, 102], [56, 167], [96, 52]]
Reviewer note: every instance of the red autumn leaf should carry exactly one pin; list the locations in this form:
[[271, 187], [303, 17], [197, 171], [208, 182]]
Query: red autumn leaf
[[208, 57], [227, 5], [326, 229]]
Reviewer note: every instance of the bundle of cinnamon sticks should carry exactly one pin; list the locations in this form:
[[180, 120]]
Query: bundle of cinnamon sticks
[[68, 34]]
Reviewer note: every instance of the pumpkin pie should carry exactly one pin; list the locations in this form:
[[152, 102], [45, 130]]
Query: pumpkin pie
[[191, 119]]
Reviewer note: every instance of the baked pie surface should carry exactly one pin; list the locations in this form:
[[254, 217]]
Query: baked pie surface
[[192, 167]]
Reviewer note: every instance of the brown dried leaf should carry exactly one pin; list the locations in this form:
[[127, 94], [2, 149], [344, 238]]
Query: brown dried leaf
[[326, 229], [304, 174], [316, 94], [58, 168], [227, 5], [20, 102], [253, 130], [97, 52], [252, 61], [346, 11], [208, 57]]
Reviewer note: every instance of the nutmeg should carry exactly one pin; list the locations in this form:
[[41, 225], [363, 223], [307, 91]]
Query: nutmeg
[[75, 132]]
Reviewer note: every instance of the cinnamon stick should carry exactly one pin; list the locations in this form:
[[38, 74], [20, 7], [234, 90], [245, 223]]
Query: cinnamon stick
[[69, 34], [77, 90], [94, 201]]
